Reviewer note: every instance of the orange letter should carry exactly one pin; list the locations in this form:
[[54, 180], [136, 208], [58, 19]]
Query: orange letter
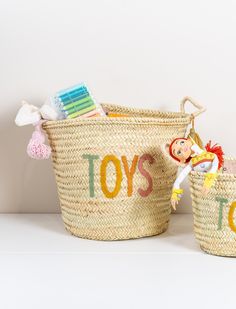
[[231, 217], [129, 173], [151, 160], [103, 176]]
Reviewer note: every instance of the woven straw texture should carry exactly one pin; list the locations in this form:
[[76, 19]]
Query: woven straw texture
[[139, 209], [212, 214]]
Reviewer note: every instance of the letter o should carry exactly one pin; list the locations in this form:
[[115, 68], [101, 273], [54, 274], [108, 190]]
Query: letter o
[[103, 176], [231, 217]]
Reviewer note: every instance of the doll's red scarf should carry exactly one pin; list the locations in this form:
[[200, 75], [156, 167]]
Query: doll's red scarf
[[217, 150]]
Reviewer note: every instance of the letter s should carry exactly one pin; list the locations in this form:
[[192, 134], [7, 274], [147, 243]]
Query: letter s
[[150, 159]]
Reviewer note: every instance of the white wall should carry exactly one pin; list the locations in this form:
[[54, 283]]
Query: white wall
[[140, 53]]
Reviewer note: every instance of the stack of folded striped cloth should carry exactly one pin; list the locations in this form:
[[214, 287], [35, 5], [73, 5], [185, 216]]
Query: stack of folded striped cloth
[[75, 102]]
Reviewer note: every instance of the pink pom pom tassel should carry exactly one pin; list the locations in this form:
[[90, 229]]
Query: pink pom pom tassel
[[36, 148]]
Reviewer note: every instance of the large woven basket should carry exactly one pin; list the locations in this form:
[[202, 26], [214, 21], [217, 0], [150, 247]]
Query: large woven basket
[[215, 214], [94, 160]]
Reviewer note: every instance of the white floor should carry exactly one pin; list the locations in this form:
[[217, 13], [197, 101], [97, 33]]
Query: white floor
[[42, 266]]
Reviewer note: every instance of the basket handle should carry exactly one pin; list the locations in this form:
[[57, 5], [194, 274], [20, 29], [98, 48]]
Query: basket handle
[[200, 108]]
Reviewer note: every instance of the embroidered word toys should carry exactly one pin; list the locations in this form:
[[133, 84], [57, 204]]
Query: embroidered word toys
[[119, 164], [186, 152], [76, 101]]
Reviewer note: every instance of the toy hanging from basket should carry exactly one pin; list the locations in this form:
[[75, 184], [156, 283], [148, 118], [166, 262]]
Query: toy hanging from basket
[[190, 153], [36, 148]]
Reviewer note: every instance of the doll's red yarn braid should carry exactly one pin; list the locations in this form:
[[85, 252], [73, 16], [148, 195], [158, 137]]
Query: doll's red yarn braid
[[217, 150]]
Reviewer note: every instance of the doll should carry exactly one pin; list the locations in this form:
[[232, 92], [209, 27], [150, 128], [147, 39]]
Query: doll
[[186, 152]]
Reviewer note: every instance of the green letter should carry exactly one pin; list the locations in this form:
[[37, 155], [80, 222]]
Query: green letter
[[222, 202], [91, 158]]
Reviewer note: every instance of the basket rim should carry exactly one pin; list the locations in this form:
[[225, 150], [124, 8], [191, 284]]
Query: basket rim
[[154, 117]]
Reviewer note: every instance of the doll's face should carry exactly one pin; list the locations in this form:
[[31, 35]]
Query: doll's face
[[181, 149]]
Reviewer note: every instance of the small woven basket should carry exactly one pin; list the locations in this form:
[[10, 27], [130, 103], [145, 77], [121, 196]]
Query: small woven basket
[[114, 182], [215, 214]]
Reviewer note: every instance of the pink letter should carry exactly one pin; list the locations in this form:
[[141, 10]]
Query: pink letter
[[151, 160]]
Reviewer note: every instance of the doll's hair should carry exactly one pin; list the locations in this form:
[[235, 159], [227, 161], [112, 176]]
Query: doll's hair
[[217, 150], [171, 151]]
